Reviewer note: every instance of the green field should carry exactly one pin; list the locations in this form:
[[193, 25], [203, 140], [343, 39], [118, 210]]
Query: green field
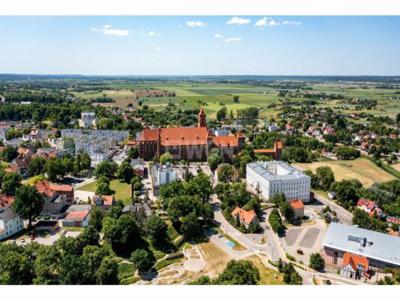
[[122, 190]]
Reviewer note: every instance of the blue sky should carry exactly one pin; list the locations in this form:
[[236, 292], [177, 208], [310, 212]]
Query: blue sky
[[256, 45]]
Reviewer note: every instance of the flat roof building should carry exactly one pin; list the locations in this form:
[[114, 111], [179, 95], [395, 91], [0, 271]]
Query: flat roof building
[[382, 250], [272, 177]]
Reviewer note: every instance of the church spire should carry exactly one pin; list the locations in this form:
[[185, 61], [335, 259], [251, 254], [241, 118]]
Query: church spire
[[202, 118]]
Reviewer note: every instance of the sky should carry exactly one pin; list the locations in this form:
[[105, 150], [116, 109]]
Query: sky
[[218, 45]]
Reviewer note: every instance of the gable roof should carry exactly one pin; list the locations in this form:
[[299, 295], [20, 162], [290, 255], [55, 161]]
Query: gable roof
[[77, 215], [245, 216], [297, 204], [225, 141], [183, 136], [354, 261], [49, 189]]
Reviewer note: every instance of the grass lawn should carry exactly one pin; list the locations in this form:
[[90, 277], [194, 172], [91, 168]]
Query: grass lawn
[[267, 276], [361, 168], [122, 190]]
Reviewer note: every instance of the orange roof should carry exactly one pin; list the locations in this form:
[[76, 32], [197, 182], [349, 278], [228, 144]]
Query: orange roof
[[183, 136], [245, 216], [225, 141], [297, 204], [108, 200], [77, 215], [354, 261], [5, 200], [49, 189], [150, 135], [264, 151], [12, 168]]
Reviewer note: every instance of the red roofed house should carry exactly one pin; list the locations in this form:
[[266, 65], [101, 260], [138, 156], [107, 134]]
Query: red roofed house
[[104, 201], [275, 153], [369, 206], [10, 222], [244, 217], [354, 266], [77, 216], [186, 143], [56, 196], [298, 208]]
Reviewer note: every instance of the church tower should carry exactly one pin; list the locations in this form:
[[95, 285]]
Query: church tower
[[202, 118]]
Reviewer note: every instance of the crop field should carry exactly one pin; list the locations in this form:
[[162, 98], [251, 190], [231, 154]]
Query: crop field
[[361, 168]]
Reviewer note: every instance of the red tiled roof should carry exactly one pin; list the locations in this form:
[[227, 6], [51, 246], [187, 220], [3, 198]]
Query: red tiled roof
[[264, 151], [150, 135], [183, 136], [393, 220], [245, 216], [49, 189], [5, 200], [354, 261], [297, 204], [77, 215], [367, 203], [225, 141]]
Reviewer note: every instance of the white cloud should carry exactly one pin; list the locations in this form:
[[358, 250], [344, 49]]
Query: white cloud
[[238, 21], [152, 34], [158, 49], [269, 22], [109, 30], [234, 39], [196, 24], [218, 36]]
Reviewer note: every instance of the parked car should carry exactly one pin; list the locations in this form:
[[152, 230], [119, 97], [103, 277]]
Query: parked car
[[299, 251]]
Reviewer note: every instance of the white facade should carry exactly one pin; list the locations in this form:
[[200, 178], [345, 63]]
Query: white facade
[[96, 157], [273, 177], [165, 174], [88, 119], [10, 223]]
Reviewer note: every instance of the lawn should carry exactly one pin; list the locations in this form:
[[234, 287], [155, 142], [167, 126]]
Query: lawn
[[122, 190], [361, 168], [267, 276]]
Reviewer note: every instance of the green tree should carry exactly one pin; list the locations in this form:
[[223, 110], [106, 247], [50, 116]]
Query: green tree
[[191, 226], [156, 229], [107, 273], [226, 173], [317, 262], [325, 177], [143, 260], [9, 153], [214, 160], [16, 267], [106, 168], [166, 158], [11, 182], [242, 272], [103, 186], [221, 114], [125, 172], [28, 203], [47, 265], [36, 166], [72, 270], [54, 169], [96, 218]]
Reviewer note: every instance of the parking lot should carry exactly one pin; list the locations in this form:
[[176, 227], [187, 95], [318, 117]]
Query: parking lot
[[45, 238]]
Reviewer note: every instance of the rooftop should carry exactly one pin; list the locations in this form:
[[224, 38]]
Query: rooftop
[[275, 170], [367, 243]]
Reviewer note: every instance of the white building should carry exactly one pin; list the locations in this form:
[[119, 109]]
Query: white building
[[98, 156], [88, 119], [274, 177], [10, 223], [162, 174]]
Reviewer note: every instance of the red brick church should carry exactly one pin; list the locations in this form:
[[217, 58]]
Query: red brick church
[[188, 143]]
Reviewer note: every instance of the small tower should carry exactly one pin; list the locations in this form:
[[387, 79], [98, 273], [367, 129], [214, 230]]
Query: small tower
[[202, 118]]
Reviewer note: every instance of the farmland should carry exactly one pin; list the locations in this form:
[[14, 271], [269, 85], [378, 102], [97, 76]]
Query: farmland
[[362, 169]]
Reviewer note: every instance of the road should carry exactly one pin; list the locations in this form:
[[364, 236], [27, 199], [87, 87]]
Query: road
[[343, 215]]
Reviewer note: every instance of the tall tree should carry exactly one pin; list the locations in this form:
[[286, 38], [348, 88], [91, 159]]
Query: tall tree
[[28, 203]]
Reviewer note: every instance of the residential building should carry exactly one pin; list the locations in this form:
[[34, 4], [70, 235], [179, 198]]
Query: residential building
[[10, 222], [77, 216], [56, 197], [273, 177], [88, 119], [354, 266], [380, 249], [103, 201], [369, 206], [298, 208], [244, 217]]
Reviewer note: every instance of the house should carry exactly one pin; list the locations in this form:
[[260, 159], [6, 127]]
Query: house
[[393, 220], [47, 225], [104, 201], [381, 250], [298, 208], [10, 223], [273, 177], [244, 217], [77, 216], [354, 266], [56, 197], [369, 206]]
